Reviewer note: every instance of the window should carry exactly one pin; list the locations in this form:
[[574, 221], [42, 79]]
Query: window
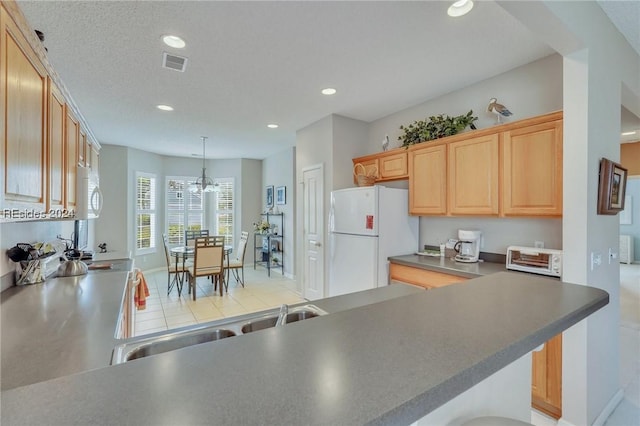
[[185, 210], [224, 210], [145, 213]]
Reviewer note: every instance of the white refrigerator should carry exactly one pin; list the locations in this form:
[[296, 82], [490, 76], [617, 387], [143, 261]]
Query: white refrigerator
[[366, 226]]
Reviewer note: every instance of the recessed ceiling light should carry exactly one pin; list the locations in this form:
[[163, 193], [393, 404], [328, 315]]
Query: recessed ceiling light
[[459, 8], [173, 41], [165, 107], [272, 126], [329, 91], [628, 133]]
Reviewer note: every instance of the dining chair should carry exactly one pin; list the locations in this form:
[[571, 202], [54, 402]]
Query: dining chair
[[208, 260], [174, 267], [190, 236], [236, 266]]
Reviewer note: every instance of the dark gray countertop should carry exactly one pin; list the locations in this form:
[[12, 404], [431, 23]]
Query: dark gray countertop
[[60, 327], [449, 266], [390, 362]]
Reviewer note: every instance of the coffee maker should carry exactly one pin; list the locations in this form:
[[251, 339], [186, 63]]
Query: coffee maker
[[468, 246]]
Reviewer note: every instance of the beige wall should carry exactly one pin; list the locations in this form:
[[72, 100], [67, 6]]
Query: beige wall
[[630, 157]]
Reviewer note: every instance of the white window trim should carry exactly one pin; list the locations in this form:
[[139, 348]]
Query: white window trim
[[154, 211], [186, 179], [232, 211]]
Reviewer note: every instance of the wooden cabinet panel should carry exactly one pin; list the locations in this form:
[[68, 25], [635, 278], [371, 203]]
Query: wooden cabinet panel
[[532, 170], [473, 176], [546, 378], [422, 277], [24, 95], [428, 180], [56, 159], [71, 172], [393, 166]]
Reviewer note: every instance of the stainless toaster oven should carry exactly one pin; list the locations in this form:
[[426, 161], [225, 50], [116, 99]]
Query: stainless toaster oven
[[535, 260]]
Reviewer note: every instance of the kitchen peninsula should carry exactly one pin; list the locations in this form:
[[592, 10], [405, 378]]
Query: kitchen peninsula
[[371, 360]]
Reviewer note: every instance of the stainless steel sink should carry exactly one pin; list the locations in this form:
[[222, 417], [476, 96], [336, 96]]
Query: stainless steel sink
[[269, 322], [171, 341]]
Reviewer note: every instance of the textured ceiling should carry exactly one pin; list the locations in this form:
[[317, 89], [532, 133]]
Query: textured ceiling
[[625, 15], [254, 63]]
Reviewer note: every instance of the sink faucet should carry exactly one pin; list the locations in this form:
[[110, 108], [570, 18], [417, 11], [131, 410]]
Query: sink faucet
[[282, 316]]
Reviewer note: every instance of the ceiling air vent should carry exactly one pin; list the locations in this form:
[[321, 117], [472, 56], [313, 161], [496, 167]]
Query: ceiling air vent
[[173, 62]]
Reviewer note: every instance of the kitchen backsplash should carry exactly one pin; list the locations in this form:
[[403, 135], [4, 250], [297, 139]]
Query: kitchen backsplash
[[26, 232], [497, 233]]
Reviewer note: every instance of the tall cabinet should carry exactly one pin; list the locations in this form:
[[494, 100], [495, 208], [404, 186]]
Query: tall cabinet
[[23, 79], [269, 246]]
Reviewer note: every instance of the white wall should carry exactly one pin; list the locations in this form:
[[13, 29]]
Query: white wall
[[278, 170], [349, 136], [250, 203], [528, 91], [633, 229]]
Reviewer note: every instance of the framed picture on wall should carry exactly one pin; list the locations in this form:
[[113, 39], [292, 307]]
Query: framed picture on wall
[[611, 187], [269, 196], [281, 195]]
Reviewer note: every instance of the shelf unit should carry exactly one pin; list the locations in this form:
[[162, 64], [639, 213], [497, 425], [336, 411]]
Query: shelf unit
[[270, 246]]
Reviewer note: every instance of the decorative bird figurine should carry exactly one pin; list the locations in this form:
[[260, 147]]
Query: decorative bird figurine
[[498, 109], [385, 143]]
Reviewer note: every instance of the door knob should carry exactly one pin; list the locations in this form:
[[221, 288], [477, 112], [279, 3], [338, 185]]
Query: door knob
[[314, 243]]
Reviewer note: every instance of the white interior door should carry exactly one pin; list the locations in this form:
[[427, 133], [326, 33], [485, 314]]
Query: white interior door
[[313, 231]]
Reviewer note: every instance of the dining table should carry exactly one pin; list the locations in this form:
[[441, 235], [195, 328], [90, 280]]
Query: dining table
[[181, 254]]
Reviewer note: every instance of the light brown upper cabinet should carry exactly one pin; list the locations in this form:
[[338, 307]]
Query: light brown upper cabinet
[[532, 170], [393, 165], [390, 165], [23, 100], [428, 180], [472, 176], [56, 158], [514, 169], [71, 143]]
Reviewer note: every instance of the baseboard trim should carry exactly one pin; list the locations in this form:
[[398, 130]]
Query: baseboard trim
[[604, 414]]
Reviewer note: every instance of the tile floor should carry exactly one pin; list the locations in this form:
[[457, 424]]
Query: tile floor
[[627, 413], [165, 312]]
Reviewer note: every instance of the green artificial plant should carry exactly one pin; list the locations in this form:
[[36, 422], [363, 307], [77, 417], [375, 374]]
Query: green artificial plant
[[435, 127]]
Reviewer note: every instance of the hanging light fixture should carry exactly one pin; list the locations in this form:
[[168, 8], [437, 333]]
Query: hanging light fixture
[[203, 183]]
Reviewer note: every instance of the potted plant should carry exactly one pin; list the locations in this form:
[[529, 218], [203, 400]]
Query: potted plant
[[435, 127]]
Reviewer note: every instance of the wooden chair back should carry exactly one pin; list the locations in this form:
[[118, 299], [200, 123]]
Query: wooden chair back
[[190, 236], [167, 256], [242, 247], [209, 256]]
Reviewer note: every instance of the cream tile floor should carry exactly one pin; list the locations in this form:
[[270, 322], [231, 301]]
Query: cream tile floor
[[165, 312]]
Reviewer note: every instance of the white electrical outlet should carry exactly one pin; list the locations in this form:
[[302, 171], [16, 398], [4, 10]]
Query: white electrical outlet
[[538, 244], [596, 260]]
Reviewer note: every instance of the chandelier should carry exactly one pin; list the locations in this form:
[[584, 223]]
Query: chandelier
[[203, 183]]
